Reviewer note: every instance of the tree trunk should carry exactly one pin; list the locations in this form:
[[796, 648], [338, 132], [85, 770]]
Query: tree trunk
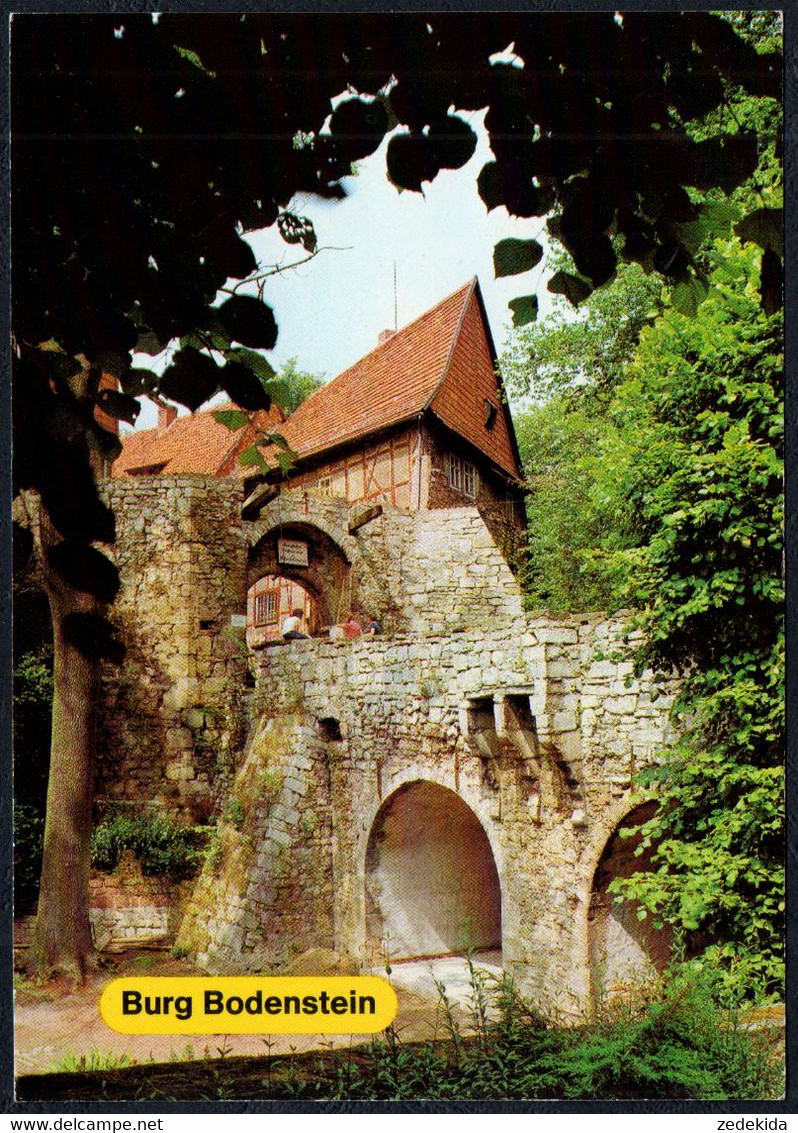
[[62, 942]]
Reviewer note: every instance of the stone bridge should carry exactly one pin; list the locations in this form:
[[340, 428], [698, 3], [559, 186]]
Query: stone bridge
[[458, 782]]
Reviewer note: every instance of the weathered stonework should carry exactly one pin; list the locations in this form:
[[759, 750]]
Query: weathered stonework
[[532, 724], [171, 715], [128, 908]]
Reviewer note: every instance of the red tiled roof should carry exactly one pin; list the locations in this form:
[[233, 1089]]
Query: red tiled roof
[[414, 370], [196, 443], [470, 386], [442, 362], [395, 381]]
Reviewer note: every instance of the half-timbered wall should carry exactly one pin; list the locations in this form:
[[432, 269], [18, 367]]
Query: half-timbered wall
[[385, 471], [415, 468]]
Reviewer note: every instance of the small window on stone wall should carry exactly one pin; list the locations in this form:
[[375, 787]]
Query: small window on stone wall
[[267, 608], [325, 485], [462, 475]]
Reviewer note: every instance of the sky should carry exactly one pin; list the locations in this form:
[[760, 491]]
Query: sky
[[331, 310]]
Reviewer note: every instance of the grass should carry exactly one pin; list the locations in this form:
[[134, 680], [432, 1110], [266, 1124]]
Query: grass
[[667, 1040], [95, 1060]]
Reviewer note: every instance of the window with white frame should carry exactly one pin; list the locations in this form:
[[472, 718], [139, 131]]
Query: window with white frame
[[325, 485], [462, 475]]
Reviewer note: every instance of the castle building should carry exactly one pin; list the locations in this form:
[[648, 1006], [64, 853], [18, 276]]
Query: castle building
[[455, 783], [419, 423]]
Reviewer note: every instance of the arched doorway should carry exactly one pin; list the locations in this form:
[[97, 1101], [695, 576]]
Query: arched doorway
[[269, 602], [624, 950], [304, 555], [432, 887]]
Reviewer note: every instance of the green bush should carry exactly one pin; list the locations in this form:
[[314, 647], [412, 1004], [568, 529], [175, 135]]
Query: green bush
[[162, 847], [668, 1040]]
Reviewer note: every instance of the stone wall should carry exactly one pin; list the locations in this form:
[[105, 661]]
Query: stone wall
[[496, 716], [507, 526], [420, 572], [171, 715], [127, 908], [534, 724]]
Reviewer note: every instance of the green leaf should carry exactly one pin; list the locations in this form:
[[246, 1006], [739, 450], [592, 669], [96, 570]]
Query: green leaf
[[148, 342], [764, 227], [252, 360], [231, 418], [573, 287], [411, 161], [296, 230], [248, 321], [453, 142], [274, 439], [246, 390], [359, 126], [119, 405], [688, 295], [252, 458], [137, 381], [489, 186], [511, 257], [715, 218], [192, 378], [208, 340], [525, 309]]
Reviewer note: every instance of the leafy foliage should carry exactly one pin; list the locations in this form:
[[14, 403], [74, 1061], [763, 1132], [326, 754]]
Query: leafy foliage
[[575, 463], [295, 385], [33, 679], [33, 694], [566, 352], [658, 485], [140, 260], [28, 839], [702, 408], [563, 371], [162, 847], [694, 426]]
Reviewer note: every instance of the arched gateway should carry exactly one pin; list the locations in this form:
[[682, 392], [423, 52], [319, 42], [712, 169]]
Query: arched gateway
[[624, 949], [432, 887], [305, 555]]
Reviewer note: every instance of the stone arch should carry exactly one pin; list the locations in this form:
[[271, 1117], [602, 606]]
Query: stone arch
[[432, 886], [327, 576], [623, 950], [270, 600]]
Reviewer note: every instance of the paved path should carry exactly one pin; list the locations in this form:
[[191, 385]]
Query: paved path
[[423, 977], [48, 1031]]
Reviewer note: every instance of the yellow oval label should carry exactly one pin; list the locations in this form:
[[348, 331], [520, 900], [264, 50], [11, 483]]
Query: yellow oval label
[[242, 1005]]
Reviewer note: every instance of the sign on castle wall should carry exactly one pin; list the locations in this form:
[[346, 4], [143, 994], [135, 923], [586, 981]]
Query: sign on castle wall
[[292, 552]]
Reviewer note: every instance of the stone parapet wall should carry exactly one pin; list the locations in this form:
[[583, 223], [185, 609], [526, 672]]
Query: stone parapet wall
[[496, 716], [128, 908]]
